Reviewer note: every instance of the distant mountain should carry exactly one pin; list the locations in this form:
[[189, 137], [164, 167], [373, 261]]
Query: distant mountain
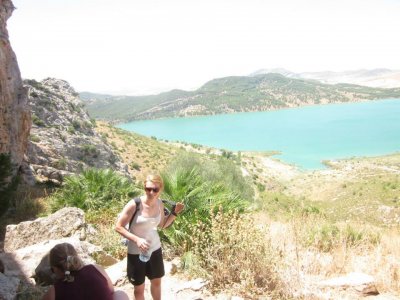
[[383, 78], [232, 94]]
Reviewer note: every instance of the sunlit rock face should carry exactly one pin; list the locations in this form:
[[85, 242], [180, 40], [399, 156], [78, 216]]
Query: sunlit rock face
[[63, 137], [15, 117]]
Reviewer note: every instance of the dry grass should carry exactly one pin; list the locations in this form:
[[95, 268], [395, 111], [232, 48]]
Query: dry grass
[[234, 255], [304, 266], [27, 203], [143, 155]]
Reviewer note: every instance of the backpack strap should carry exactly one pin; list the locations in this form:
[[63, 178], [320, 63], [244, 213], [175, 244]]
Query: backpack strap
[[137, 202]]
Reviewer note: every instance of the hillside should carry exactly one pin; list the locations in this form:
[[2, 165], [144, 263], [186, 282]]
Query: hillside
[[231, 94], [380, 78], [323, 224]]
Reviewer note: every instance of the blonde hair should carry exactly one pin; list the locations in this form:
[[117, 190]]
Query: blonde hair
[[65, 257], [155, 178]]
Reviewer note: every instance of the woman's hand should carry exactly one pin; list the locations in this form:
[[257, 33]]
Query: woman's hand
[[179, 207], [142, 244]]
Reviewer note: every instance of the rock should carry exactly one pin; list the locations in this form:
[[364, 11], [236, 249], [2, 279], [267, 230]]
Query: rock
[[195, 285], [63, 139], [8, 287], [29, 267], [66, 222], [364, 284], [24, 261], [171, 267], [15, 116], [117, 273]]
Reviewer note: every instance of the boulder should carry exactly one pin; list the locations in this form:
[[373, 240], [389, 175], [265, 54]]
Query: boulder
[[31, 263], [362, 283], [117, 273], [67, 222], [8, 287]]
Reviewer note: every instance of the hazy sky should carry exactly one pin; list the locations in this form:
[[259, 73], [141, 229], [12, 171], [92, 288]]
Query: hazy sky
[[149, 46]]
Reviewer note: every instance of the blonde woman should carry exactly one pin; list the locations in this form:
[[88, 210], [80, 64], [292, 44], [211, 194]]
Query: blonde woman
[[76, 280], [144, 247]]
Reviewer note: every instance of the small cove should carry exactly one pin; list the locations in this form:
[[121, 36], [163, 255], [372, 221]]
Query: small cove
[[304, 136]]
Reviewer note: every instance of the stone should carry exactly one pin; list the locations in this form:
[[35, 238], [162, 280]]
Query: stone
[[364, 284], [15, 116], [65, 141], [8, 287], [117, 272], [66, 222]]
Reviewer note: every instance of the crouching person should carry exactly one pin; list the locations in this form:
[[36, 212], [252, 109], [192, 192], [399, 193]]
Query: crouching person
[[76, 280]]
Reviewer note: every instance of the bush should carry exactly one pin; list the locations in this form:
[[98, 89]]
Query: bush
[[233, 254], [5, 186], [200, 187], [37, 121], [326, 237], [8, 182], [94, 190]]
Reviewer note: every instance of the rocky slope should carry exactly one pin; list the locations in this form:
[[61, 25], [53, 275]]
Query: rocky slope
[[63, 139], [14, 111]]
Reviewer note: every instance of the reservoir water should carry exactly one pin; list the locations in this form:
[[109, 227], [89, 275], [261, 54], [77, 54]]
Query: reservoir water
[[304, 136]]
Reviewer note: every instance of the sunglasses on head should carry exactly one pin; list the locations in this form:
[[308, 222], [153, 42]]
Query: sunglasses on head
[[149, 189]]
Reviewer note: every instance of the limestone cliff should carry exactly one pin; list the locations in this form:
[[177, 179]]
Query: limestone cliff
[[63, 138], [15, 118]]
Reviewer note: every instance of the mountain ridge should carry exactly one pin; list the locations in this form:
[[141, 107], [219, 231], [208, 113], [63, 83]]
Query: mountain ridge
[[231, 94]]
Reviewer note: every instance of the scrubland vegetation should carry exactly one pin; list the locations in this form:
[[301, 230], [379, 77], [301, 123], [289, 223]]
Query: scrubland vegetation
[[250, 235]]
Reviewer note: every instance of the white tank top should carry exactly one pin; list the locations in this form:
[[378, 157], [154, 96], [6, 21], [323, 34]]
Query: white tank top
[[145, 227]]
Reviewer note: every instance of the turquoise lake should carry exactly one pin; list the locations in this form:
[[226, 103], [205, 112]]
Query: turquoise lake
[[304, 136]]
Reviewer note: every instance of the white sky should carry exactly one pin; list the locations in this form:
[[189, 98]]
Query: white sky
[[149, 46]]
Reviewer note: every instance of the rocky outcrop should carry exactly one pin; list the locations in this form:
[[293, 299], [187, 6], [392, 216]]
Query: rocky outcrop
[[63, 139], [15, 118], [26, 264], [67, 222]]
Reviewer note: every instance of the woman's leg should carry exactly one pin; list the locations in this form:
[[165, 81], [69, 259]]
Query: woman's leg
[[155, 288], [138, 292]]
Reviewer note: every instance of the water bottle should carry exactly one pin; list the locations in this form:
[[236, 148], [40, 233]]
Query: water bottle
[[145, 257]]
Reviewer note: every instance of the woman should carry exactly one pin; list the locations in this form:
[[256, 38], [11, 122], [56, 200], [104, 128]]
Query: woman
[[77, 281], [143, 237]]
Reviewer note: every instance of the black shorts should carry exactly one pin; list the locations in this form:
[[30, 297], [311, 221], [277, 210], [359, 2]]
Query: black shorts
[[138, 270]]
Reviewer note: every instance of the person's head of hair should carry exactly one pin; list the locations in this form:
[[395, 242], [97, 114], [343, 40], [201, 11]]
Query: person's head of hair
[[64, 257], [156, 179]]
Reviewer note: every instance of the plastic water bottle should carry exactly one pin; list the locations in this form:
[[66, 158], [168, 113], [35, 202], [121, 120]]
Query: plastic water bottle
[[145, 257]]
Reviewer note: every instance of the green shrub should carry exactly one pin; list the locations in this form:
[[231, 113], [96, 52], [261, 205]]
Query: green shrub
[[198, 185], [135, 166], [7, 184], [34, 138], [60, 164], [94, 190], [37, 121]]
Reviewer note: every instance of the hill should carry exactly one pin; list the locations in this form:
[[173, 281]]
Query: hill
[[231, 94], [380, 78]]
